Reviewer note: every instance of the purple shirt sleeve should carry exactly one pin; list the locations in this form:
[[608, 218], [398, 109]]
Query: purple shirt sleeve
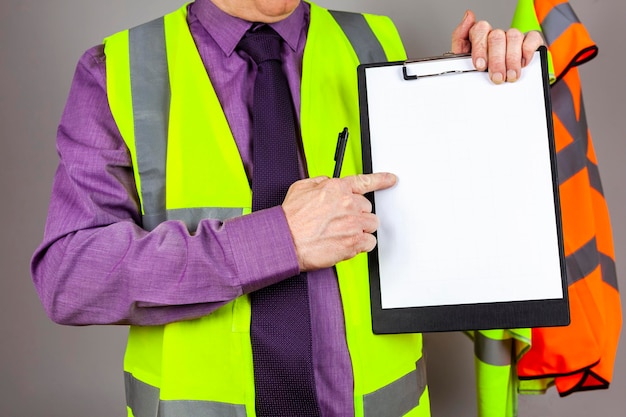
[[97, 266]]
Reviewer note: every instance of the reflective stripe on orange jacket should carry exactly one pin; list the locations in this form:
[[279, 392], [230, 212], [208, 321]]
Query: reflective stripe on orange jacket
[[580, 356]]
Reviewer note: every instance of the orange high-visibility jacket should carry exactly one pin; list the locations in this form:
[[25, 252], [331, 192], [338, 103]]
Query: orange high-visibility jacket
[[580, 356]]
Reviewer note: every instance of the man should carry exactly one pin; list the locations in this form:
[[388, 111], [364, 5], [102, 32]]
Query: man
[[186, 275]]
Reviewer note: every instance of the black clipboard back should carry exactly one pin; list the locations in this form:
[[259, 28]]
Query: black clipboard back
[[414, 94]]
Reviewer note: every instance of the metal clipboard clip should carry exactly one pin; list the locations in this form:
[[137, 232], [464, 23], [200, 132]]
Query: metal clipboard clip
[[411, 77]]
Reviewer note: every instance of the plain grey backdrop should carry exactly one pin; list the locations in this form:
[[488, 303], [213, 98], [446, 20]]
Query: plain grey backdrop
[[48, 370]]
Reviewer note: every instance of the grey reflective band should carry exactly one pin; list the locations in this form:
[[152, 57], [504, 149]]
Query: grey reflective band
[[143, 400], [150, 89], [192, 216], [364, 42], [585, 260], [151, 220], [493, 351], [200, 409], [563, 106], [399, 397], [557, 21], [609, 271], [594, 177], [573, 158], [582, 262]]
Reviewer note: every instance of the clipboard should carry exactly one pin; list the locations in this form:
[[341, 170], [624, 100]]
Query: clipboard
[[470, 238]]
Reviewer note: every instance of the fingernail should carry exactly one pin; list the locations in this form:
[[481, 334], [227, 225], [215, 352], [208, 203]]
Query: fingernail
[[481, 64], [497, 77], [511, 76]]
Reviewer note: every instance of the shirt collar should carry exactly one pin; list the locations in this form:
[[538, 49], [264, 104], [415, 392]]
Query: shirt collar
[[228, 30]]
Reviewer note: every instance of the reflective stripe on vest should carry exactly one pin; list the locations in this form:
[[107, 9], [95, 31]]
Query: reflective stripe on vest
[[399, 397], [495, 354], [366, 45], [151, 97], [558, 21], [144, 401], [167, 365], [395, 399], [581, 355]]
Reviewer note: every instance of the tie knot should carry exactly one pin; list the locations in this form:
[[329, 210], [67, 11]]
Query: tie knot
[[262, 44]]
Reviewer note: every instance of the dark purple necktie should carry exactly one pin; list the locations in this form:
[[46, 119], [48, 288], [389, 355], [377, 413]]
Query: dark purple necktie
[[281, 323]]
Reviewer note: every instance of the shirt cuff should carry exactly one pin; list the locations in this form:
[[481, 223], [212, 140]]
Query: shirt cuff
[[263, 246]]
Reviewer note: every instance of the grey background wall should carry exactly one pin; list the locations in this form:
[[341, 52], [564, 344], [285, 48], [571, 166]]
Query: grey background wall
[[48, 370]]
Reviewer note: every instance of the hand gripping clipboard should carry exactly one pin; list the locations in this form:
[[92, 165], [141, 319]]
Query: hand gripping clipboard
[[470, 237]]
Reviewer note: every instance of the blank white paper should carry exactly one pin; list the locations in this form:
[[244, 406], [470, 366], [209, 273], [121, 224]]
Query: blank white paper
[[472, 218]]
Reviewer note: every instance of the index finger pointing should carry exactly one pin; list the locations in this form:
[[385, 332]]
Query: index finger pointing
[[365, 183]]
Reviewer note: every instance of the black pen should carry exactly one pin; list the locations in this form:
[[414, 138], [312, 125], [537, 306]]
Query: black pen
[[342, 141]]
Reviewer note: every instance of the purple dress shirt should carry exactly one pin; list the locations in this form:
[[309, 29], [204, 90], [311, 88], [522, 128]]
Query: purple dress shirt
[[97, 266]]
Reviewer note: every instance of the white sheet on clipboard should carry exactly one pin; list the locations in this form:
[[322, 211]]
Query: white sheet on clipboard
[[472, 218]]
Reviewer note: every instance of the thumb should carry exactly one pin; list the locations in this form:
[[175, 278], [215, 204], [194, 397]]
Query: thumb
[[460, 35]]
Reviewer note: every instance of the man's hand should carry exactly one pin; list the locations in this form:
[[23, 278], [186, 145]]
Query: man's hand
[[331, 220], [503, 53]]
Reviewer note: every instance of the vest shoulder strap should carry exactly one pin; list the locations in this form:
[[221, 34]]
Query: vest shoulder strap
[[361, 36], [150, 89]]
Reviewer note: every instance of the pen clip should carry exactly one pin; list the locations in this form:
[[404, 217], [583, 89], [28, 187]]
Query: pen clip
[[342, 140], [341, 144]]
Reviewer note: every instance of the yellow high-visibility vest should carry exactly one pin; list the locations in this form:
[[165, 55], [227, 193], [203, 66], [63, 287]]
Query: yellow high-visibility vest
[[181, 144]]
